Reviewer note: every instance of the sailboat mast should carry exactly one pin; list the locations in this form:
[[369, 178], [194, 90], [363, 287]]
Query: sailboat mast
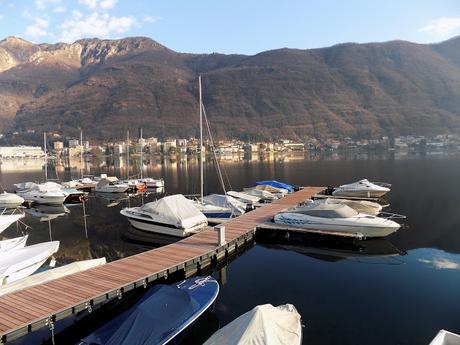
[[127, 154], [81, 154], [201, 140], [46, 156], [142, 155]]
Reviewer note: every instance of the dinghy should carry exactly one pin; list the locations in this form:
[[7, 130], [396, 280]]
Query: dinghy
[[361, 189], [336, 218], [13, 243], [7, 219], [172, 215], [10, 200], [161, 316], [446, 338], [51, 274], [23, 262], [265, 324], [276, 184]]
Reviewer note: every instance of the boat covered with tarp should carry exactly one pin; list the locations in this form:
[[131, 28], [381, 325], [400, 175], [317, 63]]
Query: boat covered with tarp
[[277, 184], [162, 315], [263, 325]]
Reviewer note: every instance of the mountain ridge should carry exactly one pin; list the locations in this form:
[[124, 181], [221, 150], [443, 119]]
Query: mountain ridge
[[359, 90]]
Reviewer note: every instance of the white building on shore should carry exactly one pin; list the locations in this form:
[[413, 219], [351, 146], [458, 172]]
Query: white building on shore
[[21, 152]]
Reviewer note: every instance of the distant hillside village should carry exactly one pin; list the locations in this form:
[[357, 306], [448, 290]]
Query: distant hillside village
[[58, 147]]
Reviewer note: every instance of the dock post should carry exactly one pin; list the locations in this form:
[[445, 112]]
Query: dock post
[[220, 234]]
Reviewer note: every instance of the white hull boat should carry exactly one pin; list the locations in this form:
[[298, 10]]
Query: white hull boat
[[13, 243], [361, 189], [23, 262], [336, 218], [106, 186], [173, 215], [10, 200], [153, 182], [55, 273], [244, 197], [278, 192], [45, 193], [262, 194], [446, 338], [265, 324], [7, 219]]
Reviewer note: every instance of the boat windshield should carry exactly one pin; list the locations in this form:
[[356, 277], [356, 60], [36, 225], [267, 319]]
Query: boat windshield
[[327, 211]]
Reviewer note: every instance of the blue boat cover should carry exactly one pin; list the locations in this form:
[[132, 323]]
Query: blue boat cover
[[276, 184], [153, 319]]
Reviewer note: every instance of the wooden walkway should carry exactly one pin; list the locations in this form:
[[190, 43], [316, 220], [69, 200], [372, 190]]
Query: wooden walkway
[[32, 308]]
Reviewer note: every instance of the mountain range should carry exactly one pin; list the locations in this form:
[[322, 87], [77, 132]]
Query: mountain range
[[352, 90]]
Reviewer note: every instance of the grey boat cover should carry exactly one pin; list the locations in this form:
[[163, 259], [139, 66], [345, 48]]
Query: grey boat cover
[[263, 325], [316, 209], [226, 201], [175, 210]]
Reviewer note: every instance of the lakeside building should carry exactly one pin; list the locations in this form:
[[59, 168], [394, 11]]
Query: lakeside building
[[21, 152]]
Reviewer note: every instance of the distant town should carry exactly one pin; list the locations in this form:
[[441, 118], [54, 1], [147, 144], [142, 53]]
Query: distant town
[[71, 147]]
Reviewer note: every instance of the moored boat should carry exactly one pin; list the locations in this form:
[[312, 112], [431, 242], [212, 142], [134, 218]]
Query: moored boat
[[161, 316], [276, 184], [362, 189], [45, 193], [244, 197], [446, 338], [220, 206], [172, 215], [51, 274], [23, 262], [10, 200], [153, 182], [6, 219], [336, 218], [264, 324], [361, 206], [105, 185]]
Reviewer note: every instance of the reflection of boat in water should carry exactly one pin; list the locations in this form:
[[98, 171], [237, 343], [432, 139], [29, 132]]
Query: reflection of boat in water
[[47, 212], [113, 199], [340, 250], [148, 238]]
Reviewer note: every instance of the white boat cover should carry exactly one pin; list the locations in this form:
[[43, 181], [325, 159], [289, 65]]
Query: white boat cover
[[13, 243], [272, 189], [361, 206], [237, 207], [263, 194], [446, 338], [10, 198], [318, 209], [25, 257], [176, 210], [51, 274], [42, 187], [244, 196], [263, 325]]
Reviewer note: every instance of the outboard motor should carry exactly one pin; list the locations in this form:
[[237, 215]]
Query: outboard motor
[[329, 190], [250, 207]]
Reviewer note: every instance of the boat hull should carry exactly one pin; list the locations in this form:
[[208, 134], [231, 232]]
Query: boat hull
[[360, 193], [8, 219], [367, 230], [112, 189]]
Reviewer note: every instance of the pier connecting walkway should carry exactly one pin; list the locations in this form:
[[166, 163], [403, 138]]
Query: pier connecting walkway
[[42, 305]]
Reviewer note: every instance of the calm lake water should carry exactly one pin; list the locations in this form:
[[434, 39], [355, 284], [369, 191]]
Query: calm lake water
[[364, 293]]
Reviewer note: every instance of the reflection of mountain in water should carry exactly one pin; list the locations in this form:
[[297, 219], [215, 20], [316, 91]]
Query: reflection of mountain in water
[[337, 251]]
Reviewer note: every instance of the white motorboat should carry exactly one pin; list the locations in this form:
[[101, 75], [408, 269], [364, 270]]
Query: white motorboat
[[23, 262], [13, 243], [361, 206], [220, 206], [45, 193], [172, 215], [362, 189], [6, 219], [264, 195], [336, 218], [446, 338], [265, 324], [244, 197], [153, 182], [51, 274], [10, 200], [106, 186]]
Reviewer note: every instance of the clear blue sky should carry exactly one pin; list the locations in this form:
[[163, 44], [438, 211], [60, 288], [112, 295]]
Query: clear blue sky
[[232, 26]]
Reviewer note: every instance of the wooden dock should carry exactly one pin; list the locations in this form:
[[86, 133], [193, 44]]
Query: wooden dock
[[42, 305]]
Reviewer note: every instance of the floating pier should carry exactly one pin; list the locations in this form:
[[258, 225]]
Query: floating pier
[[42, 305]]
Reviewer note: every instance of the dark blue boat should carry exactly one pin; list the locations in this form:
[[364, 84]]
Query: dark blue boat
[[276, 184], [161, 316]]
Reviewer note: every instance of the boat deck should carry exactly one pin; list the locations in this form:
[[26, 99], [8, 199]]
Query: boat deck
[[42, 305]]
